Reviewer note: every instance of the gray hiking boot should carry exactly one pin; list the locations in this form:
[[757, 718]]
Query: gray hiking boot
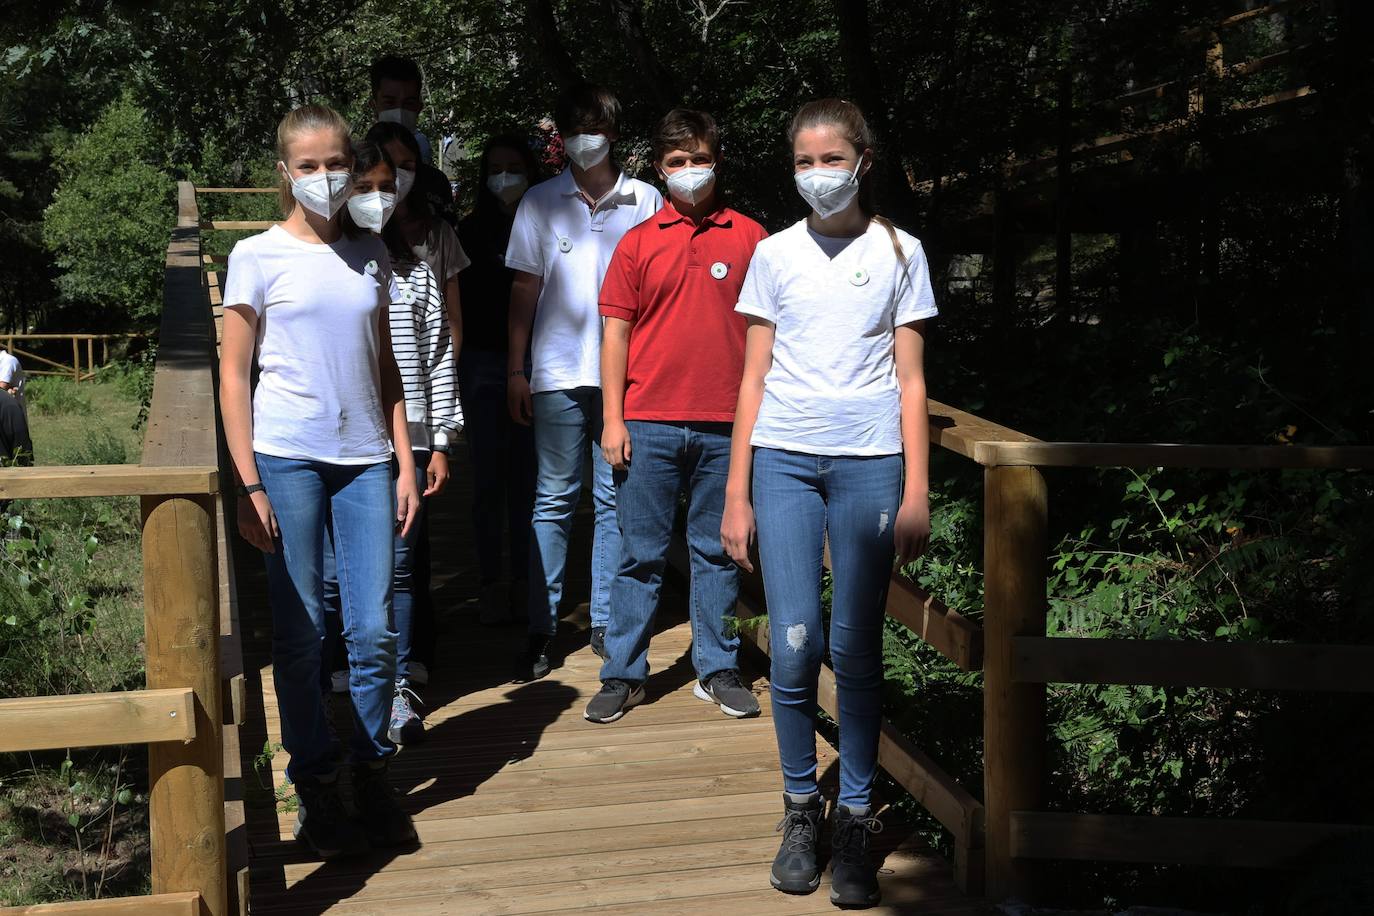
[[795, 869], [322, 823], [381, 815], [853, 876]]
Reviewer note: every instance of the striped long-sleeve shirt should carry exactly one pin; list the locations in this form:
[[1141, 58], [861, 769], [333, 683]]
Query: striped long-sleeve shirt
[[421, 340]]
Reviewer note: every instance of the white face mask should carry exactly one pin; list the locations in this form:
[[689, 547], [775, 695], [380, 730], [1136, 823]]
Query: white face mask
[[692, 184], [586, 149], [507, 185], [828, 191], [405, 180], [402, 116], [372, 210], [322, 193]]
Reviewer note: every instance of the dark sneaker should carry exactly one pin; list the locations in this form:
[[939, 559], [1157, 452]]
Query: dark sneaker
[[381, 816], [322, 823], [725, 690], [534, 663], [406, 726], [599, 642], [853, 876], [613, 701], [795, 870]]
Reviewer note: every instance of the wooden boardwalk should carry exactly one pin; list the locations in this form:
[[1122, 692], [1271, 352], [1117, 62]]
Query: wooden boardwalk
[[522, 806]]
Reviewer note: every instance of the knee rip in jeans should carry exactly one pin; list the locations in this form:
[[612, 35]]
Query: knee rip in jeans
[[796, 637]]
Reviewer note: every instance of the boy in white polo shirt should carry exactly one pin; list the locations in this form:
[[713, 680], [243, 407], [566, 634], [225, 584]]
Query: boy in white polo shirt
[[565, 232]]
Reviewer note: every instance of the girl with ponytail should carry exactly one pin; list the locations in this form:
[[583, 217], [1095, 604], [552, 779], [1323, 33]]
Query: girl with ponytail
[[830, 444]]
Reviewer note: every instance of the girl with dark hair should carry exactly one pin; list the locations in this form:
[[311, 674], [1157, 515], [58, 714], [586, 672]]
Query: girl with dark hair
[[502, 450], [830, 443], [427, 258]]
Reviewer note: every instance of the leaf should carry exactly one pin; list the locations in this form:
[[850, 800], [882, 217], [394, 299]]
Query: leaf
[[124, 797], [74, 819]]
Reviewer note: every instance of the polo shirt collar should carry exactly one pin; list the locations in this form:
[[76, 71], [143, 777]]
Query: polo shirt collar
[[669, 216], [622, 192]]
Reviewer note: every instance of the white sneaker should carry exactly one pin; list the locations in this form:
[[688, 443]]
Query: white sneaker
[[338, 682], [419, 674]]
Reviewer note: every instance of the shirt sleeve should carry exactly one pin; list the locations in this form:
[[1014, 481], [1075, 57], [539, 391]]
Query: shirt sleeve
[[455, 259], [620, 289], [915, 298], [525, 251], [8, 366], [243, 282], [758, 295]]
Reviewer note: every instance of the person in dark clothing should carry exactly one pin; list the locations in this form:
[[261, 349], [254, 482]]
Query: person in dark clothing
[[502, 450], [16, 448]]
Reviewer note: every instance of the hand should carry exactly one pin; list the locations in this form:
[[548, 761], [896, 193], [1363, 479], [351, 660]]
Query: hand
[[615, 444], [911, 533], [518, 400], [257, 521], [436, 475], [407, 501], [737, 532]]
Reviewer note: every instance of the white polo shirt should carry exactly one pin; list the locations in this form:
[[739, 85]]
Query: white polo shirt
[[832, 388], [559, 238]]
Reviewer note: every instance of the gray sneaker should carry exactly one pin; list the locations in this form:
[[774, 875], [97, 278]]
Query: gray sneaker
[[599, 642], [725, 690], [613, 701], [406, 726]]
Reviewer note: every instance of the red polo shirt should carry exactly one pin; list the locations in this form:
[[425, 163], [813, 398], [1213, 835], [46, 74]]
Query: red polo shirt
[[678, 284]]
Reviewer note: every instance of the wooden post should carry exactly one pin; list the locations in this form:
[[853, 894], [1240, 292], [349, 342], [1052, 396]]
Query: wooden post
[[104, 349], [76, 360], [90, 355], [1014, 548], [181, 602]]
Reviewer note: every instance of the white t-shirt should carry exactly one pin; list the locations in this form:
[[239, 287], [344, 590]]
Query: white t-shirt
[[832, 388], [559, 238], [318, 396], [12, 374]]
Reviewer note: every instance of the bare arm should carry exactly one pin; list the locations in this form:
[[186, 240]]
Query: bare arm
[[524, 296], [912, 530], [737, 524], [257, 523], [615, 356]]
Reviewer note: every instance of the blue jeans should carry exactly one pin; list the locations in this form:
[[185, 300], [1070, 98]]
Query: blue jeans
[[502, 454], [665, 459], [360, 500], [408, 586], [798, 500], [567, 425]]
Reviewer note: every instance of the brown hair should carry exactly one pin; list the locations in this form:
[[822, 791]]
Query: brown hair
[[299, 121], [850, 123], [683, 128], [584, 107]]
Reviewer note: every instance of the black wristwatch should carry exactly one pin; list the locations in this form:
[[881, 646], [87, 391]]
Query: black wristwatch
[[251, 488]]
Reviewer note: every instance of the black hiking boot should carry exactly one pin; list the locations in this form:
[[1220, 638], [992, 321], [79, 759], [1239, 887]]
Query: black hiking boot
[[599, 642], [534, 663], [853, 876], [613, 701], [725, 690], [322, 823], [382, 818], [795, 869]]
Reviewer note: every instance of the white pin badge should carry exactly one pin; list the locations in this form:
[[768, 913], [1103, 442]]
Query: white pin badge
[[370, 267], [565, 244], [408, 297], [859, 277], [719, 270]]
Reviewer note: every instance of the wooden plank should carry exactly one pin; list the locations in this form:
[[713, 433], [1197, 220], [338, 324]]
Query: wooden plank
[[237, 224], [1176, 663], [180, 904], [952, 634], [200, 190], [961, 432], [97, 719], [1014, 550], [61, 481], [1175, 455], [1216, 843], [181, 632]]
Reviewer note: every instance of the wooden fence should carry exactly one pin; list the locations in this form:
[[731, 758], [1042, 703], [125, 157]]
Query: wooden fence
[[74, 370], [998, 839], [189, 712]]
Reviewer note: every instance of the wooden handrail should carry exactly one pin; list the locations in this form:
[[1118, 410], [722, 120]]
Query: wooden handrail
[[1169, 455], [68, 480], [97, 719]]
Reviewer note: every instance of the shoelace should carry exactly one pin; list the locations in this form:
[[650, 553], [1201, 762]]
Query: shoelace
[[401, 706], [798, 831], [851, 838]]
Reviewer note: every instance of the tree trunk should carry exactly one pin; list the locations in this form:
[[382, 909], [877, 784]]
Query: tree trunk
[[659, 83], [543, 26]]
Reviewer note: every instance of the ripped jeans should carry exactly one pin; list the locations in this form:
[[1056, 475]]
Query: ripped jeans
[[798, 499]]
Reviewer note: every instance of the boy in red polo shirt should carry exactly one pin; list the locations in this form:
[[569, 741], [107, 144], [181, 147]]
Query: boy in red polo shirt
[[672, 355]]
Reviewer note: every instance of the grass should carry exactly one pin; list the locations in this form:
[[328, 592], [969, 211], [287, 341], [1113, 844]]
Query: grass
[[74, 825]]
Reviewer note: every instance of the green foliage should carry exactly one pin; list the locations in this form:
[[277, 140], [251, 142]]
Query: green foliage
[[110, 216], [57, 396]]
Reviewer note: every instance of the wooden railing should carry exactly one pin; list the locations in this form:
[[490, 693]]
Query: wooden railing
[[74, 370], [997, 839], [192, 659]]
